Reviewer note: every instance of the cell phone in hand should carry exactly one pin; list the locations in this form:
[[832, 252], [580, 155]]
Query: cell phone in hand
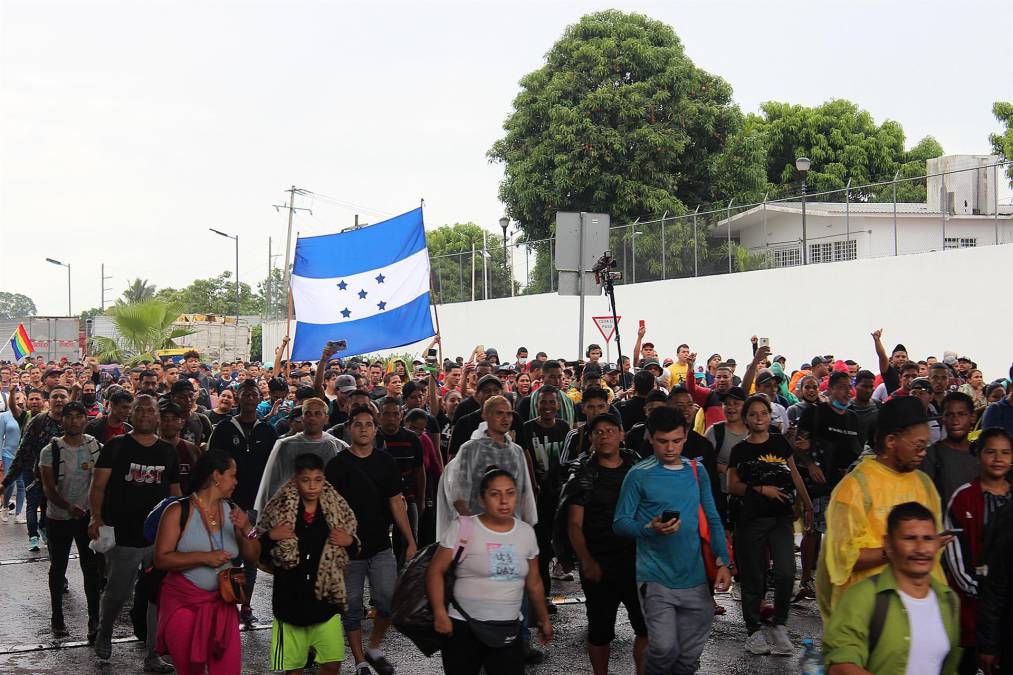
[[641, 323], [338, 345], [764, 342], [667, 516]]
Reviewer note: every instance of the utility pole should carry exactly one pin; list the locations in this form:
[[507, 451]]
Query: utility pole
[[103, 286], [292, 208], [267, 291]]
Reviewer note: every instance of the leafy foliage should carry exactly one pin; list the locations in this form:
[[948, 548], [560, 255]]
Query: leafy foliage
[[144, 328], [1002, 143], [16, 305], [452, 274], [138, 291], [618, 120], [215, 295], [842, 141], [278, 305]]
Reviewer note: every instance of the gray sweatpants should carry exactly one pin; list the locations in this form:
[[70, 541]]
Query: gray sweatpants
[[122, 564], [678, 623]]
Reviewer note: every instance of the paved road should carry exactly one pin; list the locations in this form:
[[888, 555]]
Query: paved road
[[26, 645]]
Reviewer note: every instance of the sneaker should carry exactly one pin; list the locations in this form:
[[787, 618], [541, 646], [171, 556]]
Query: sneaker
[[533, 656], [363, 669], [59, 628], [380, 663], [757, 644], [33, 544], [550, 606], [154, 664], [66, 586], [248, 618], [3, 514], [780, 643], [805, 592], [558, 573], [103, 646], [21, 519], [736, 591], [718, 609]]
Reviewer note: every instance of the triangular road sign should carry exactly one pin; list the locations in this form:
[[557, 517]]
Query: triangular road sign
[[606, 326]]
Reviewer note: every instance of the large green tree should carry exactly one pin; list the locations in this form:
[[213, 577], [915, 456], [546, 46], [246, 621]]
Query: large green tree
[[450, 257], [1002, 143], [618, 120], [842, 141], [215, 295], [16, 305], [274, 288]]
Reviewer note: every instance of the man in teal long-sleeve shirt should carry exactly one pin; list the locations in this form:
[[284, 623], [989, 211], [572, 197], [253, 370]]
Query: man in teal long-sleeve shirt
[[677, 602]]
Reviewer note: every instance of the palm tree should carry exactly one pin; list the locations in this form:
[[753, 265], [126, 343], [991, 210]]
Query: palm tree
[[144, 328], [138, 291]]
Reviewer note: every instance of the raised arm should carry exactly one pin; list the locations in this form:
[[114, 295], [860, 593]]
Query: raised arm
[[750, 374], [641, 332], [318, 378], [884, 359]]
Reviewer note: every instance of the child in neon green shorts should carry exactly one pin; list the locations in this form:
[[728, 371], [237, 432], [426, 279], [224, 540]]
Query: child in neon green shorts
[[308, 534]]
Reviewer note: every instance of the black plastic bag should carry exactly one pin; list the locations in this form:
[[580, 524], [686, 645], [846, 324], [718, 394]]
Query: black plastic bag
[[412, 615]]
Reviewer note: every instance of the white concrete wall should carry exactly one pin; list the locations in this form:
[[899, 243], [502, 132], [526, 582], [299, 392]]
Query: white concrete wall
[[874, 232], [931, 302]]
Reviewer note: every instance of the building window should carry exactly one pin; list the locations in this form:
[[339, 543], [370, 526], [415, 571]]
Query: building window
[[788, 256], [959, 242], [833, 251]]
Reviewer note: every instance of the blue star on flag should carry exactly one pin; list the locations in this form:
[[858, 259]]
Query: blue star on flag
[[362, 294], [380, 278], [342, 285], [346, 312], [381, 306]]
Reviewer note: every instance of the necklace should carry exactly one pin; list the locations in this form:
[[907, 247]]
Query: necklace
[[211, 519]]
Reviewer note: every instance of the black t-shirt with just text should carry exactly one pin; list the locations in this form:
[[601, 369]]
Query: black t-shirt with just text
[[140, 479]]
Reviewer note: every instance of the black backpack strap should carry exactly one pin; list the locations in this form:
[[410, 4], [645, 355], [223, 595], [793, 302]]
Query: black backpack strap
[[56, 450], [878, 619], [719, 436]]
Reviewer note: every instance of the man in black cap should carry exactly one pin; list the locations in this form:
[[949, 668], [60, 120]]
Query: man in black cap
[[856, 514], [197, 428], [607, 561], [889, 366]]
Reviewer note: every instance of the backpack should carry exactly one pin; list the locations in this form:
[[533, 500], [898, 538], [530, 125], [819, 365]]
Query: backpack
[[149, 581]]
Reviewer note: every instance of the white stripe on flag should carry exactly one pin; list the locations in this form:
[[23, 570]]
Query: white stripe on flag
[[325, 301]]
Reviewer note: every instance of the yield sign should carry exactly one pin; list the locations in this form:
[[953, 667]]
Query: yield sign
[[606, 326]]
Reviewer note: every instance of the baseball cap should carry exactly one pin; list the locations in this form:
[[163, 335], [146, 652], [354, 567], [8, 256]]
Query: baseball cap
[[345, 383], [166, 406], [486, 379], [611, 368], [647, 363], [648, 344], [505, 368], [737, 393], [817, 360], [731, 362], [765, 375], [668, 362], [901, 413], [603, 418], [181, 385], [920, 383], [778, 357]]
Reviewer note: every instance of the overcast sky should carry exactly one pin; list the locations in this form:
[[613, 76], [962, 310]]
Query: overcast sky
[[128, 128]]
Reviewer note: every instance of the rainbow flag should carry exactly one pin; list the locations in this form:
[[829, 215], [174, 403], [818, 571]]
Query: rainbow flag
[[21, 343]]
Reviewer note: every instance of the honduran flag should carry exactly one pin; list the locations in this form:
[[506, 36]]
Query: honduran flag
[[21, 343], [369, 287]]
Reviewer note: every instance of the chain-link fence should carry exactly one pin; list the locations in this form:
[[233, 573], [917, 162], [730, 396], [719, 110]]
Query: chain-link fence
[[955, 207]]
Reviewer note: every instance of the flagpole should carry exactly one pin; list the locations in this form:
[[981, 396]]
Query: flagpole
[[8, 342], [432, 294]]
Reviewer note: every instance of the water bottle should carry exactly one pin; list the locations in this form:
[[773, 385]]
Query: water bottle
[[811, 662]]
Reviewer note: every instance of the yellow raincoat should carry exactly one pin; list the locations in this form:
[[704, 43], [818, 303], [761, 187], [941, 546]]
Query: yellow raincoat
[[856, 519]]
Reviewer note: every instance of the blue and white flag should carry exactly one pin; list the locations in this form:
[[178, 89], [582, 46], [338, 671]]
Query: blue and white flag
[[369, 287]]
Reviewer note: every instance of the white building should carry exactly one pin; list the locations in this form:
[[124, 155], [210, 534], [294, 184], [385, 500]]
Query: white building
[[840, 231]]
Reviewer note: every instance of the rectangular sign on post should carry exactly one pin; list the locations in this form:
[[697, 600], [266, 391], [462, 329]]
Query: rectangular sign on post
[[606, 326], [569, 248]]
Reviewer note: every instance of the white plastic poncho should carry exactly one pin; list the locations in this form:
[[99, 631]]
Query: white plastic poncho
[[463, 475], [281, 462]]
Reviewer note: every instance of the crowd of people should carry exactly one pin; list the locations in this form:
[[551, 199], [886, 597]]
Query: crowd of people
[[660, 482]]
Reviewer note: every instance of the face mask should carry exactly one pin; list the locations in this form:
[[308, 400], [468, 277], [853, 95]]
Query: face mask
[[521, 361], [838, 405], [88, 399]]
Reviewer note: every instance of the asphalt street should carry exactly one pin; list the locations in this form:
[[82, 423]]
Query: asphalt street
[[26, 645]]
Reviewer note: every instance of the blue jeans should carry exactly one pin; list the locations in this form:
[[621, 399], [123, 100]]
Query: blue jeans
[[381, 569], [36, 503], [19, 483]]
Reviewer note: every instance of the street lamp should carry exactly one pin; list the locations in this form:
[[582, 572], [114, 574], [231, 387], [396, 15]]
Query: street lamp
[[236, 238], [67, 265], [803, 164], [504, 223]]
